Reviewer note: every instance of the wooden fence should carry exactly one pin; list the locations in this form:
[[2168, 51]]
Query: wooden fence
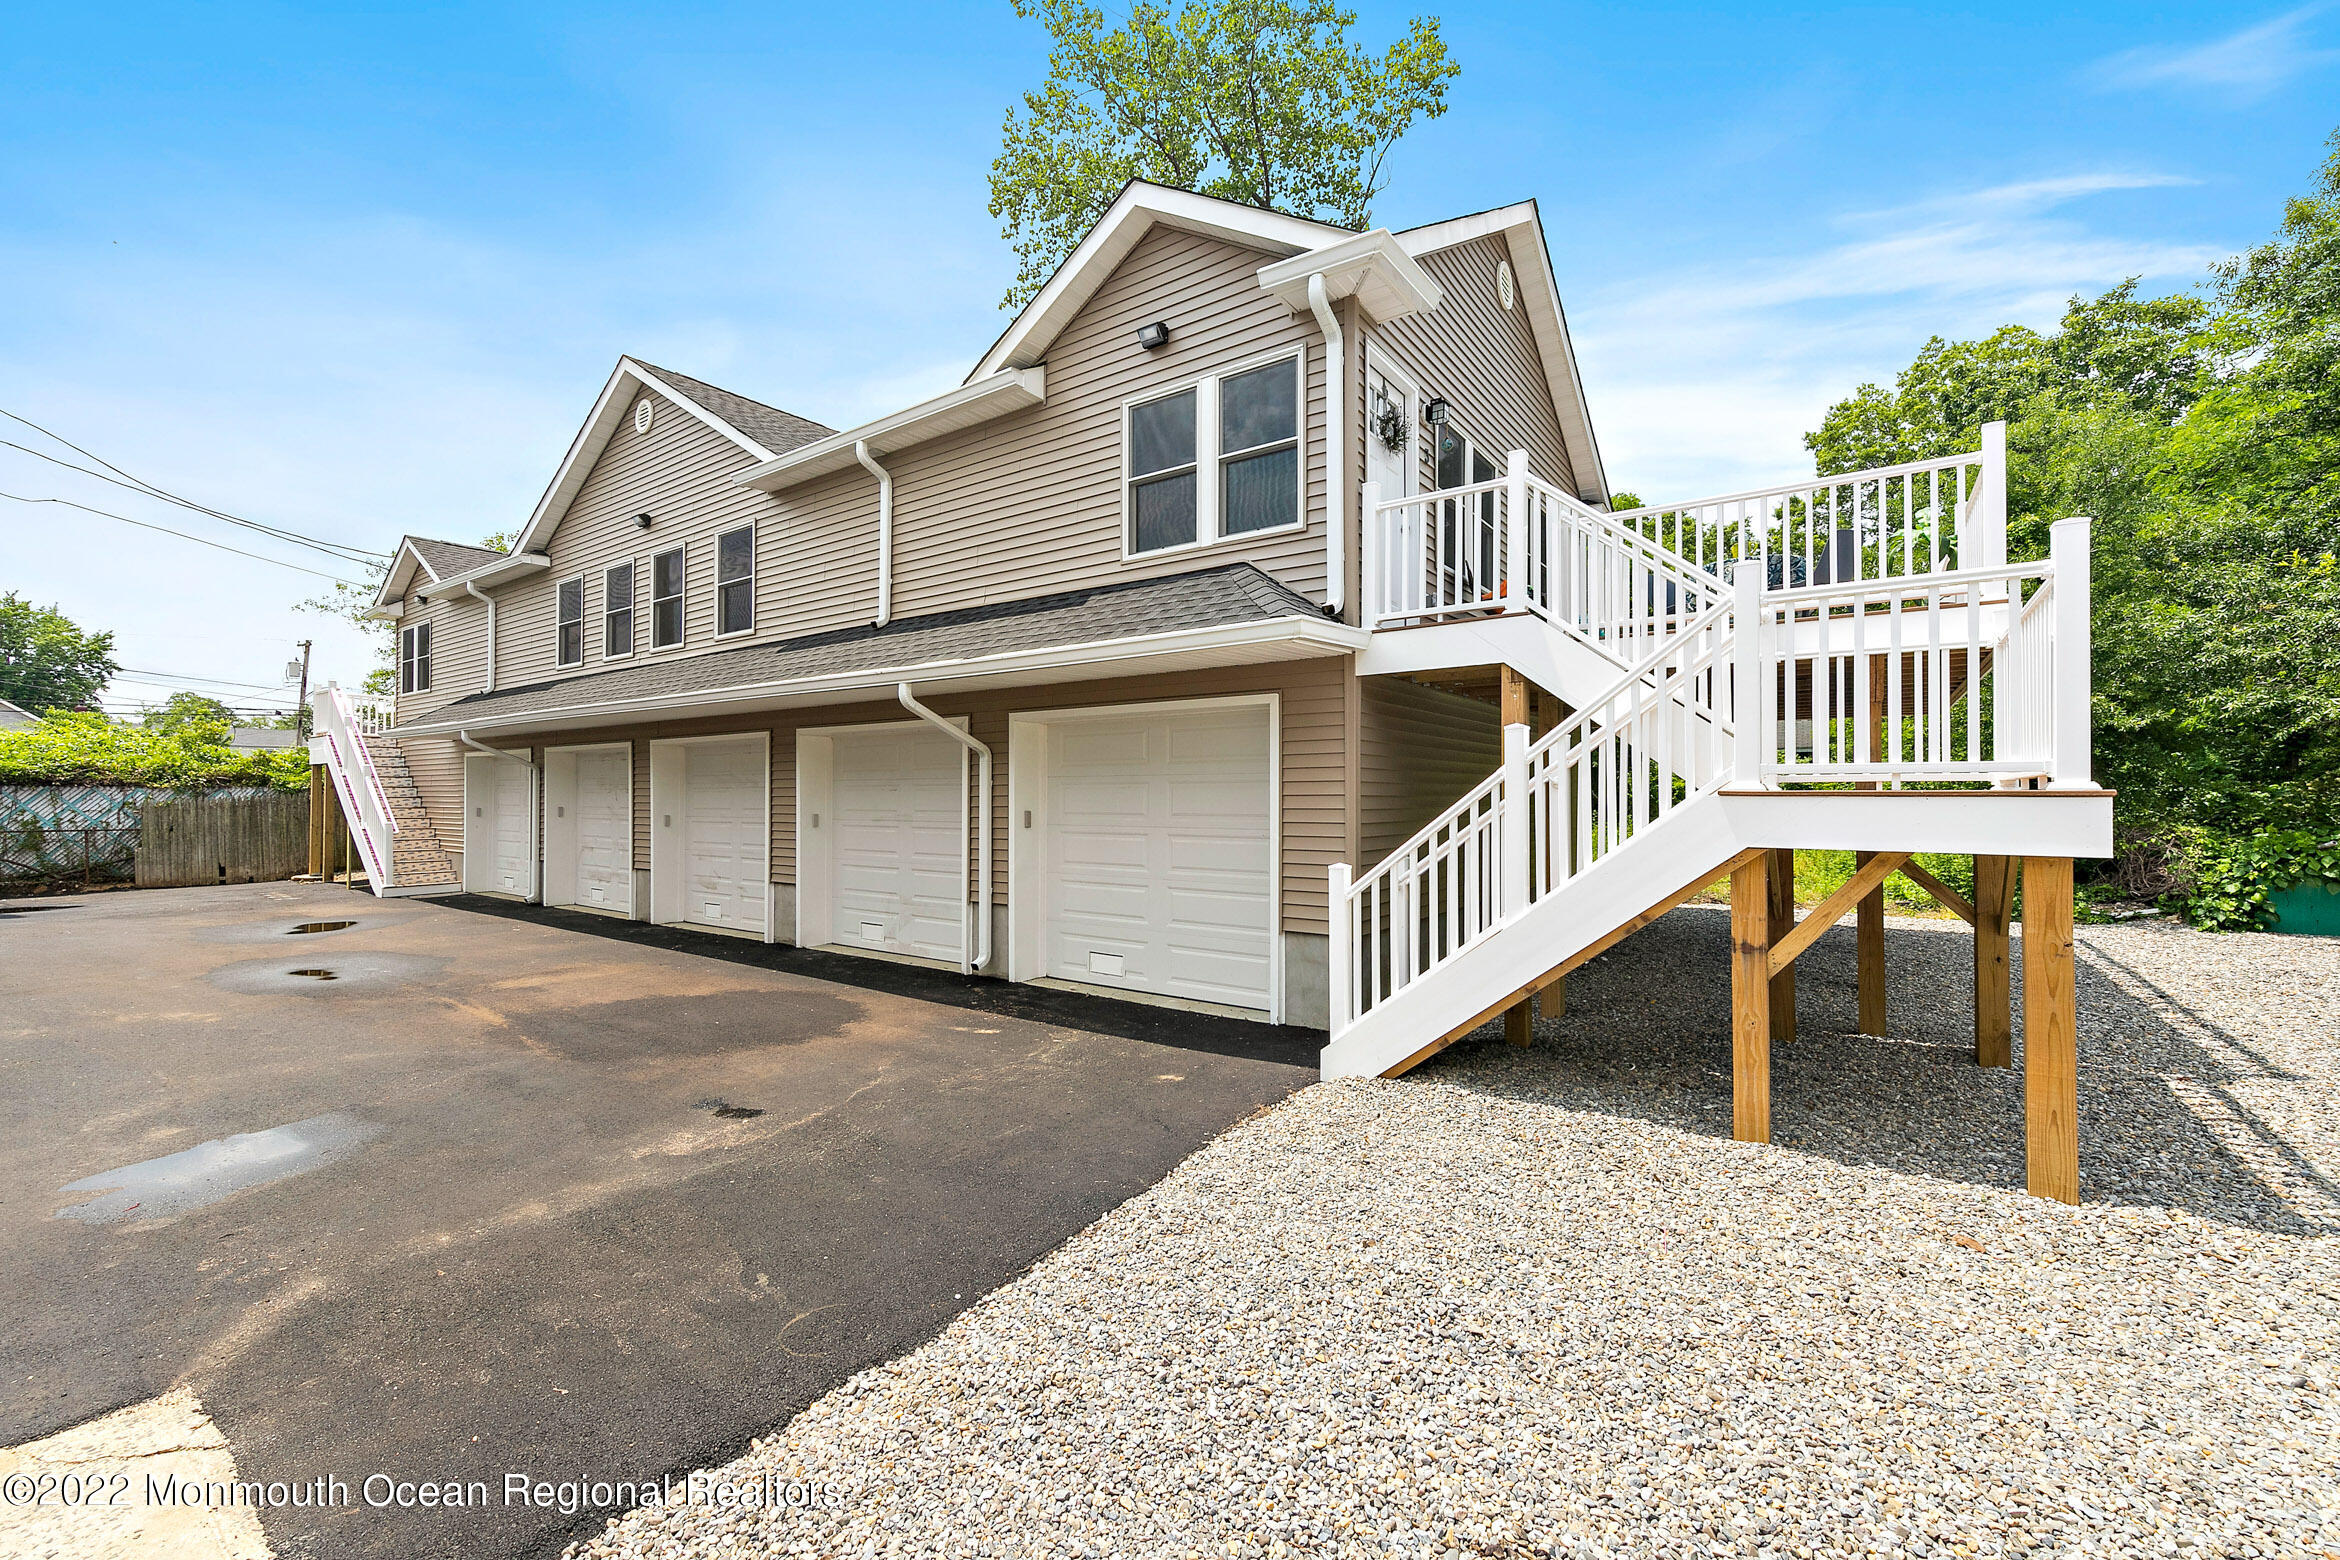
[[185, 841]]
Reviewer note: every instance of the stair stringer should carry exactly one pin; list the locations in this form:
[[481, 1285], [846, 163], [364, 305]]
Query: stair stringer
[[1552, 658], [1698, 837]]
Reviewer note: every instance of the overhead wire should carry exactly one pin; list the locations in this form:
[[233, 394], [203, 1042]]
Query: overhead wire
[[189, 536]]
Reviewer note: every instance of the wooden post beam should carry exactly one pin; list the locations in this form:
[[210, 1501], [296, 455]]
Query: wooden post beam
[[1947, 897], [1869, 953], [1874, 870], [1781, 899], [2051, 1097], [1994, 1018], [1751, 1001], [1519, 1019]]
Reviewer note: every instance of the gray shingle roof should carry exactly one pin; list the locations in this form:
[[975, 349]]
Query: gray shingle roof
[[448, 558], [774, 429], [1210, 598]]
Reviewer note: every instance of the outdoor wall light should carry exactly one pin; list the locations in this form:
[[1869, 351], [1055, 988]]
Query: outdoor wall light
[[1153, 337], [642, 520], [1435, 413]]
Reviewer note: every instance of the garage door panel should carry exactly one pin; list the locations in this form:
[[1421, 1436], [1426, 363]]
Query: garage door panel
[[1157, 854], [725, 847], [898, 799], [605, 830]]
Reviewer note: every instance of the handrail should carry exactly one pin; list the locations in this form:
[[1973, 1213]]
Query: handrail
[[366, 805]]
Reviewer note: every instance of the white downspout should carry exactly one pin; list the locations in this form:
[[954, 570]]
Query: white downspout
[[981, 903], [1336, 450], [477, 594], [535, 807], [885, 588]]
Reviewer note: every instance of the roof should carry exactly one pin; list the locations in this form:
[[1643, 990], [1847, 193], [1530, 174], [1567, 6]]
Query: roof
[[445, 558], [938, 644], [16, 715], [774, 429]]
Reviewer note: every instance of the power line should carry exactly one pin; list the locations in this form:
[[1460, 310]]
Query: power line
[[226, 682], [142, 485], [187, 536], [333, 550]]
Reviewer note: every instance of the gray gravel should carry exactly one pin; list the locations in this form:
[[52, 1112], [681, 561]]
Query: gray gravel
[[1536, 1302]]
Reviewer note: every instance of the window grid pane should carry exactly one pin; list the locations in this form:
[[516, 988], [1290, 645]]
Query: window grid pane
[[735, 607], [1163, 513], [1261, 492], [735, 554], [666, 583], [1260, 406], [1161, 434]]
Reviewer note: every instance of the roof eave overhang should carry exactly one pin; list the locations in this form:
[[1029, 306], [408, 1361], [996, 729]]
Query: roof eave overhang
[[1135, 212], [1009, 390], [403, 564], [1373, 268], [1283, 638], [487, 574], [1540, 294]]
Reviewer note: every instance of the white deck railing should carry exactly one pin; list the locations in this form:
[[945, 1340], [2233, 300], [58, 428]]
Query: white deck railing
[[342, 726]]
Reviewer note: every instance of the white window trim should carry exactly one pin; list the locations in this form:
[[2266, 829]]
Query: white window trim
[[1207, 467], [410, 639], [720, 582], [682, 594], [583, 617], [633, 566]]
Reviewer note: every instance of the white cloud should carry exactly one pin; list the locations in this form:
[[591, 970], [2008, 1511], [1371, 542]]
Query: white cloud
[[1704, 378], [2244, 66]]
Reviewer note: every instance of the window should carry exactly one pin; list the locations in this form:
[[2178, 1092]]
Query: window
[[666, 599], [1467, 527], [735, 581], [414, 659], [617, 611], [1259, 449], [1217, 459], [569, 624]]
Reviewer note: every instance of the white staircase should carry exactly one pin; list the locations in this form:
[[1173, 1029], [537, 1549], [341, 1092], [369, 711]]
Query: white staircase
[[387, 824], [1859, 629]]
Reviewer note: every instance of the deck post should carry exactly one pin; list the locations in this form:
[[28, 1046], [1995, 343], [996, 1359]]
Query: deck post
[[1518, 581], [2074, 733], [1375, 589], [1994, 1017], [1869, 953], [1754, 742], [1519, 1019], [1781, 912], [1751, 1002], [2051, 1104], [316, 821], [1341, 921]]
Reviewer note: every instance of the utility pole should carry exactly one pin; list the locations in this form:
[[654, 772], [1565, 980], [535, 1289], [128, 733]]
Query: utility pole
[[301, 718]]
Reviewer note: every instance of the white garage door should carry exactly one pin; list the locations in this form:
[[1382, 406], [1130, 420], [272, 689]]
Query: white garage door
[[1158, 854], [499, 855], [898, 798], [605, 829], [725, 843]]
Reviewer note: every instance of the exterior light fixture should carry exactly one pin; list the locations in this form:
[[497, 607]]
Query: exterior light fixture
[[642, 520], [1435, 413], [1154, 337]]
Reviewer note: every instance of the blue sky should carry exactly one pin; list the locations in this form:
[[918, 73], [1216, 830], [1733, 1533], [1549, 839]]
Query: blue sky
[[361, 273]]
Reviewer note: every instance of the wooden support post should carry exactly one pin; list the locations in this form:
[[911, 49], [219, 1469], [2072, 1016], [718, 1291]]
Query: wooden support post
[[1994, 1017], [1869, 953], [1519, 1020], [2051, 1094], [316, 867], [1781, 901], [1556, 997], [1751, 1000]]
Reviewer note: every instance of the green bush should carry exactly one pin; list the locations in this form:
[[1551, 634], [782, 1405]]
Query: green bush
[[2234, 885], [66, 748]]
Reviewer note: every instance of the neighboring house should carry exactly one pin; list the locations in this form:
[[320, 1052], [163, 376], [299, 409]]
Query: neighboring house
[[1064, 675], [13, 716]]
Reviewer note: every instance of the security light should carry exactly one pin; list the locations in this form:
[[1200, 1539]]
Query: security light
[[1153, 336], [642, 520]]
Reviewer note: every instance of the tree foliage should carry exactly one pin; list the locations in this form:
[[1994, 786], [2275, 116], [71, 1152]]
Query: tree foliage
[[1266, 102], [83, 747], [2202, 432], [47, 662], [191, 716]]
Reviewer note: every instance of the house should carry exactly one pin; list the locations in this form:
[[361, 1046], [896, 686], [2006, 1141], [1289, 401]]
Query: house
[[1249, 631], [13, 717]]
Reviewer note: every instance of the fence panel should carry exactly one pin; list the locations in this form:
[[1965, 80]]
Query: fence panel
[[255, 838]]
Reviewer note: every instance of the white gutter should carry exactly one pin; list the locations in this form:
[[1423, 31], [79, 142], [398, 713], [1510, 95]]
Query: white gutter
[[980, 906], [885, 583], [1336, 448], [477, 594]]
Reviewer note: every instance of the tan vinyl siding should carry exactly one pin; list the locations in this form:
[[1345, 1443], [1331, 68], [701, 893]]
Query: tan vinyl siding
[[1311, 737], [458, 652], [1482, 357], [1032, 503], [1420, 748], [436, 763]]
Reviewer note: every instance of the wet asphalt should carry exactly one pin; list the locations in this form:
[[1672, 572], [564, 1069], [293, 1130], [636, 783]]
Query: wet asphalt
[[559, 1196]]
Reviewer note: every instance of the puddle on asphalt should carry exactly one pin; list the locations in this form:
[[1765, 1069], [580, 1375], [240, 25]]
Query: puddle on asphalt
[[310, 928], [726, 1111], [199, 1176]]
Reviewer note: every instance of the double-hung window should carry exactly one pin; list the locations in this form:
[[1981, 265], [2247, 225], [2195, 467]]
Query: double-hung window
[[1217, 459], [1467, 540], [735, 581], [569, 624], [666, 599], [617, 611], [414, 659]]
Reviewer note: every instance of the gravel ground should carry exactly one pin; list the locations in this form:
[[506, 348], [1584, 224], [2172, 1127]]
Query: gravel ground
[[1536, 1302]]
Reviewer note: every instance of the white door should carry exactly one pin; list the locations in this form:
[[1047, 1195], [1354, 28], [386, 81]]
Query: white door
[[725, 838], [499, 855], [899, 803], [1390, 404], [1158, 854], [605, 829]]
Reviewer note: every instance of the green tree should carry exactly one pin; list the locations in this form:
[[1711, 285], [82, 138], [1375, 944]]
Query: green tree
[[47, 662], [1266, 102], [191, 717]]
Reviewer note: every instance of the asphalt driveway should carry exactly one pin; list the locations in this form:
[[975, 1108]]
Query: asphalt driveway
[[563, 1196]]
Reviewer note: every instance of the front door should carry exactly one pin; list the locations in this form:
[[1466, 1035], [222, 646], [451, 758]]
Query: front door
[[1391, 410]]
